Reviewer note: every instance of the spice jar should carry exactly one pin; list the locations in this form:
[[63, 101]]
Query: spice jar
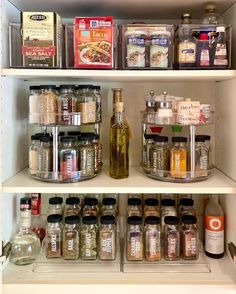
[[201, 157], [98, 96], [151, 207], [86, 104], [160, 156], [89, 235], [190, 244], [149, 139], [67, 105], [72, 206], [35, 92], [48, 105], [150, 107], [186, 207], [159, 49], [171, 238], [86, 157], [134, 207], [55, 205], [109, 206], [178, 158], [152, 234], [165, 113], [107, 238], [167, 209], [33, 154], [44, 158], [98, 151], [134, 239], [71, 237], [90, 207], [54, 236], [68, 158]]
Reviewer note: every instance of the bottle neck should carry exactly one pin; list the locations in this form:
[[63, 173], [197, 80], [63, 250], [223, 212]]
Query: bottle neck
[[215, 198], [119, 117]]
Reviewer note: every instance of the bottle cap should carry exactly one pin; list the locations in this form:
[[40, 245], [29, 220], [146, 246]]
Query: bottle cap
[[72, 219], [109, 201], [152, 220], [108, 220], [176, 129], [134, 201], [189, 219], [186, 202], [151, 202], [90, 220], [171, 220], [91, 201], [179, 139], [73, 201], [134, 220], [167, 202], [54, 218], [55, 200]]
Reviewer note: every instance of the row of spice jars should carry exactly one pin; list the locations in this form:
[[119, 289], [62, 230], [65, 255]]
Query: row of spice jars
[[179, 238], [163, 160], [50, 105], [88, 242]]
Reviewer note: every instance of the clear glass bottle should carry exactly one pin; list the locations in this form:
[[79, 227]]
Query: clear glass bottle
[[45, 158], [109, 206], [171, 238], [134, 239], [214, 229], [98, 152], [66, 104], [86, 104], [72, 206], [55, 205], [25, 244], [117, 97], [201, 157], [71, 237], [86, 157], [211, 16], [178, 158], [152, 234], [220, 51], [54, 236], [190, 243], [38, 223], [35, 92], [107, 238], [98, 96], [134, 207], [149, 139], [33, 154], [167, 209], [151, 207], [90, 207], [48, 105], [119, 145], [186, 207], [89, 238], [186, 18]]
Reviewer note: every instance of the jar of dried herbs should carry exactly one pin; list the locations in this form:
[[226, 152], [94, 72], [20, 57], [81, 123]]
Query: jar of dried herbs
[[48, 105], [109, 206], [71, 237], [134, 239], [146, 150], [66, 104], [151, 207], [72, 206], [55, 205], [134, 207], [90, 207], [107, 238], [45, 158], [54, 236], [86, 155], [89, 238], [152, 235], [171, 238], [98, 152], [86, 104]]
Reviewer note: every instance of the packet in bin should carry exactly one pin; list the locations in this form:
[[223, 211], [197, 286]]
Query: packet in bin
[[93, 41]]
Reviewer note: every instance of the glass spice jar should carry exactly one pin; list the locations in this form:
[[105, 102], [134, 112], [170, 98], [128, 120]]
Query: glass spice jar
[[134, 207], [72, 206], [47, 107], [89, 236], [86, 156], [35, 92], [167, 209], [33, 154], [45, 158], [107, 238], [55, 205], [66, 104], [54, 236], [71, 235], [134, 239], [186, 207], [151, 207], [178, 158], [171, 238], [152, 235], [149, 139], [201, 157], [98, 152], [190, 243], [90, 207], [109, 206], [86, 104], [98, 96]]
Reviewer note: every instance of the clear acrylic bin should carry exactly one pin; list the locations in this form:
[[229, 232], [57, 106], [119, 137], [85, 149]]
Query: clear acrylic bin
[[148, 46], [203, 46]]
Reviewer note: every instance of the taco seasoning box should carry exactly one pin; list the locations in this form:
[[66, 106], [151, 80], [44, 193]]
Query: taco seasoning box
[[41, 36], [93, 42]]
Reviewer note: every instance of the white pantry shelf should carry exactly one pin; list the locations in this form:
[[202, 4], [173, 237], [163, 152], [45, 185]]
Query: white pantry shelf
[[135, 183], [120, 75]]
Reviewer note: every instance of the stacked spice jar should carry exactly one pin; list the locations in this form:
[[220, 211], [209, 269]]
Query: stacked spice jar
[[155, 232], [86, 232]]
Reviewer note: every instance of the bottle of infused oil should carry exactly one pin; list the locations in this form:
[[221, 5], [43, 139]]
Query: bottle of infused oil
[[119, 145], [117, 97]]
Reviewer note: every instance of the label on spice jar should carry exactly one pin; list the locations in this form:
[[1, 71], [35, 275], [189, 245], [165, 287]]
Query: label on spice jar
[[153, 246], [66, 106], [190, 245], [187, 52], [214, 234], [205, 58], [88, 112], [173, 246], [136, 246], [221, 55], [68, 164]]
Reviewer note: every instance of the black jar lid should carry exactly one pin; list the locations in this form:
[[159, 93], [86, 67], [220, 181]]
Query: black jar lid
[[67, 87], [186, 202], [168, 202], [55, 200], [42, 134], [152, 220], [200, 138], [87, 137], [161, 139], [148, 136], [35, 137], [189, 219], [72, 219], [90, 220], [97, 87], [134, 220], [90, 201], [171, 220], [109, 201], [45, 139], [61, 134], [134, 201], [68, 139], [179, 139], [73, 201], [47, 87], [85, 87], [25, 200], [151, 202], [108, 220], [74, 133], [54, 218], [34, 88], [207, 137]]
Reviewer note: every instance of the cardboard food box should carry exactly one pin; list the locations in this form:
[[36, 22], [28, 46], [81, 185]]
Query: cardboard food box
[[93, 42], [41, 35]]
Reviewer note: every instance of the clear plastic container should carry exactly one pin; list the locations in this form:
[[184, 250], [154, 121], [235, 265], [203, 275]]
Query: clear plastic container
[[86, 104], [55, 205], [109, 206], [66, 104]]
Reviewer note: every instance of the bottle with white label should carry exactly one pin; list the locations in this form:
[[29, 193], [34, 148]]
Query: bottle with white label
[[214, 229]]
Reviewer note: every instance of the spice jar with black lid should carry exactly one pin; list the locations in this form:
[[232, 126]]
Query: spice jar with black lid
[[86, 103], [45, 158], [151, 207], [107, 238], [86, 155], [149, 139], [167, 209], [134, 207], [33, 153], [186, 207], [90, 207], [109, 206], [134, 239], [72, 206], [48, 105], [190, 243], [71, 237], [171, 238], [55, 205], [152, 236], [66, 104], [35, 92], [89, 238], [54, 236]]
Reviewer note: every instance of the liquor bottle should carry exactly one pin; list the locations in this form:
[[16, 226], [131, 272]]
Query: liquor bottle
[[211, 16], [214, 229], [38, 224], [220, 55], [119, 145], [25, 244], [117, 97]]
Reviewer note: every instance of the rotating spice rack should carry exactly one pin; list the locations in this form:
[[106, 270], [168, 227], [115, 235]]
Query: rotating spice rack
[[55, 121], [151, 118]]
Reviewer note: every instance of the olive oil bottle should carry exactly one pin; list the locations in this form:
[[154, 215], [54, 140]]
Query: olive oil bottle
[[119, 145], [117, 97]]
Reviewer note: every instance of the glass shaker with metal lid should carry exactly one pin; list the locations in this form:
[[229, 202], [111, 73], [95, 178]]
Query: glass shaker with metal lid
[[150, 107]]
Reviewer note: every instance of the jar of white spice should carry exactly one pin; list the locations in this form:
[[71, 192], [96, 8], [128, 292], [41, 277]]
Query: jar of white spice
[[33, 104], [48, 105]]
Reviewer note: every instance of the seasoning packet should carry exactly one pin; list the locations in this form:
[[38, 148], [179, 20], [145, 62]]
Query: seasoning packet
[[93, 42]]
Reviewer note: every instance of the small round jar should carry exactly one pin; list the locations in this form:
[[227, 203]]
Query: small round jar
[[165, 113], [134, 207], [33, 154], [167, 209], [152, 234], [54, 236], [72, 206], [134, 239], [90, 207], [109, 206], [171, 238], [151, 207], [71, 236], [107, 238], [89, 238], [186, 207], [55, 205]]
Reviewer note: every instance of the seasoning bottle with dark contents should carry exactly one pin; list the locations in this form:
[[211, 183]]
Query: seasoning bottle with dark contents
[[190, 244], [54, 236], [71, 237], [171, 238], [107, 238], [134, 239]]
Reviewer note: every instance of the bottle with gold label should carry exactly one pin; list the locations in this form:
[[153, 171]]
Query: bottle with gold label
[[117, 97], [119, 145], [179, 158]]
